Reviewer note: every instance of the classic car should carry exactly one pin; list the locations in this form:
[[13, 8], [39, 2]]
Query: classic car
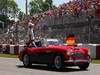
[[56, 55]]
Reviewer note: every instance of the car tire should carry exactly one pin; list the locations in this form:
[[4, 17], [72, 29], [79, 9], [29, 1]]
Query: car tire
[[84, 66], [58, 62], [26, 60]]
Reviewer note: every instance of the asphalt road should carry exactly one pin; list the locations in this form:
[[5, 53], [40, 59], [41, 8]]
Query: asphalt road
[[12, 66]]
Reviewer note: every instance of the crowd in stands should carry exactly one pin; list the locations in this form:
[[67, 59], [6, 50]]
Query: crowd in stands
[[74, 7]]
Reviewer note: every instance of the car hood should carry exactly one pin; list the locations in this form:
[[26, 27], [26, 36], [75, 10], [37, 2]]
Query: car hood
[[62, 47], [70, 48]]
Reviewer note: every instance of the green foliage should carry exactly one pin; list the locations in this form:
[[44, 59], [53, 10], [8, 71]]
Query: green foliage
[[21, 15], [5, 19], [49, 2], [34, 7], [8, 9], [37, 6]]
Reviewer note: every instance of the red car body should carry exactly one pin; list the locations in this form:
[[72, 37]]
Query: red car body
[[57, 56]]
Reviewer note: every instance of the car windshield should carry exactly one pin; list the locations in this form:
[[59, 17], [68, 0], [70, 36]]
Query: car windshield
[[54, 42]]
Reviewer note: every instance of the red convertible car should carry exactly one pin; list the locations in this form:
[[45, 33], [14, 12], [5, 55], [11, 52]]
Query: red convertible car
[[56, 55]]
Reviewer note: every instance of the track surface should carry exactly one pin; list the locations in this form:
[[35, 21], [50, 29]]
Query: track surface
[[12, 66]]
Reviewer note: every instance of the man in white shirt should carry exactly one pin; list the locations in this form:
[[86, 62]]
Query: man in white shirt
[[31, 30]]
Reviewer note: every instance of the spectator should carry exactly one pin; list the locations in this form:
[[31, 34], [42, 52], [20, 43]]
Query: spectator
[[31, 30]]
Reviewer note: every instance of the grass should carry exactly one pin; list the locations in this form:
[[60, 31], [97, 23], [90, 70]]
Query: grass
[[8, 55], [96, 61]]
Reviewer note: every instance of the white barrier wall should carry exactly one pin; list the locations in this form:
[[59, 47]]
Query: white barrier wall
[[12, 49], [21, 47], [3, 48], [91, 47]]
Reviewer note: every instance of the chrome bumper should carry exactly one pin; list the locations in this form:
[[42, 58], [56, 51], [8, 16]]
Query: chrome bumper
[[76, 61]]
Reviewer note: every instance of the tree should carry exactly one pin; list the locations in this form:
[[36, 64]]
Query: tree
[[21, 15], [4, 19], [34, 7], [37, 6], [8, 9], [49, 2]]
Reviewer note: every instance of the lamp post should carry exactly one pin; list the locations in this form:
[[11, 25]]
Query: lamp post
[[90, 28], [90, 17], [17, 39], [26, 5]]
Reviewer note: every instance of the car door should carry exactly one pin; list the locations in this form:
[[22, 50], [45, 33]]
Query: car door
[[44, 55]]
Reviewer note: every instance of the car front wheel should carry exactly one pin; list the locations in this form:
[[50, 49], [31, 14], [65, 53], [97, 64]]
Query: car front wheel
[[59, 62], [26, 60], [84, 66]]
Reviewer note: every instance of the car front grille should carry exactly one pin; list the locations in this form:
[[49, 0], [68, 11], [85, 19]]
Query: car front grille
[[78, 55]]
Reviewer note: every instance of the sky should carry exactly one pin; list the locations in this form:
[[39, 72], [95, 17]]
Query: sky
[[21, 3]]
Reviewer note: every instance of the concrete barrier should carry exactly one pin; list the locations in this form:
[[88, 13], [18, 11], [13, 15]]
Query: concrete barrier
[[4, 48], [16, 49], [0, 48], [91, 47], [7, 49], [98, 52], [21, 47], [11, 49]]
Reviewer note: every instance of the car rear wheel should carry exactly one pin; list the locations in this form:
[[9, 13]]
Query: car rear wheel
[[84, 66], [26, 60], [59, 62]]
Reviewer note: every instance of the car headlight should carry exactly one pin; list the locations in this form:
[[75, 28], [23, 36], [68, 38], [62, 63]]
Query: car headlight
[[69, 52]]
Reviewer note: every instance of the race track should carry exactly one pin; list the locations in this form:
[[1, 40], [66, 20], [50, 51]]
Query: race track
[[12, 66]]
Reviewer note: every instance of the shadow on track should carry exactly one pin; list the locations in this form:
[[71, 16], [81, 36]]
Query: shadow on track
[[44, 67]]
